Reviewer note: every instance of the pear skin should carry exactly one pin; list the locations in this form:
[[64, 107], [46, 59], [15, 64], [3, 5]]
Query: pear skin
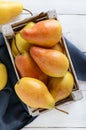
[[52, 62], [34, 93], [14, 49], [3, 76], [61, 88], [45, 33], [58, 47], [9, 10], [21, 45], [28, 68], [29, 25]]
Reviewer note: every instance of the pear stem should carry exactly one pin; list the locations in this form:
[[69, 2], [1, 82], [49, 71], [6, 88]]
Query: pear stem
[[28, 11], [61, 110]]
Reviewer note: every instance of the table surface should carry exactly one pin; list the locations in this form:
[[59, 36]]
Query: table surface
[[72, 16]]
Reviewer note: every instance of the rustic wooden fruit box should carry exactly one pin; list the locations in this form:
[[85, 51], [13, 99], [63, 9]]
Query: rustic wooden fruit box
[[9, 31]]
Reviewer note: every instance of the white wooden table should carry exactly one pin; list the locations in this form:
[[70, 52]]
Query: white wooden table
[[72, 15]]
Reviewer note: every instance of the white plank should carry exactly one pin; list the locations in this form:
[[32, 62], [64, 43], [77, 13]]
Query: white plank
[[82, 85], [74, 28], [62, 6]]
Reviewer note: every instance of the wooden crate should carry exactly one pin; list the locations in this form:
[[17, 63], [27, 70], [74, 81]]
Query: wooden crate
[[9, 31]]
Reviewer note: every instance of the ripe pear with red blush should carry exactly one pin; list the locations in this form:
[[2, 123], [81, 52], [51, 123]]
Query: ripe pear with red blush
[[28, 68], [45, 33], [51, 62]]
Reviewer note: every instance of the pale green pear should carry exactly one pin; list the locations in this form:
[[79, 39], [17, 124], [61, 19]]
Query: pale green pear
[[21, 44]]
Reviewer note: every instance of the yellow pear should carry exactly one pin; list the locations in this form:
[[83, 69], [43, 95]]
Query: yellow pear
[[21, 45], [34, 93], [61, 88], [9, 10], [14, 49], [3, 76]]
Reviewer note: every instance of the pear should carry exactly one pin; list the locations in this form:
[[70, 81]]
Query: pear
[[34, 93], [58, 47], [21, 45], [29, 25], [52, 62], [45, 33], [28, 68], [61, 88], [9, 10], [3, 76], [14, 49]]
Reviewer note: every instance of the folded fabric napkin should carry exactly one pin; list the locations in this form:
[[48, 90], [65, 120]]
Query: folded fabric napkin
[[13, 113]]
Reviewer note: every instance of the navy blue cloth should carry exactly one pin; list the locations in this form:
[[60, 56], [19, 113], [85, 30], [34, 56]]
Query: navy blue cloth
[[78, 59], [13, 113]]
